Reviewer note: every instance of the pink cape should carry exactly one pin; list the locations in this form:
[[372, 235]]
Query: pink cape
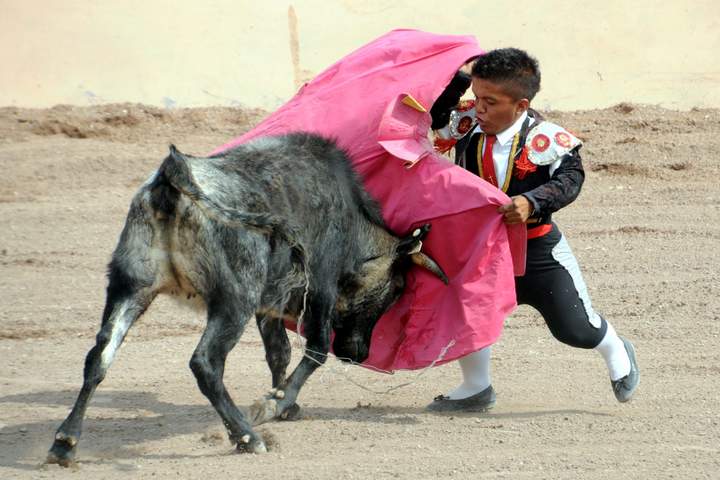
[[358, 101]]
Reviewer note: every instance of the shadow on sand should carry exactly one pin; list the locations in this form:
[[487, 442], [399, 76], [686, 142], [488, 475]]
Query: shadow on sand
[[120, 422]]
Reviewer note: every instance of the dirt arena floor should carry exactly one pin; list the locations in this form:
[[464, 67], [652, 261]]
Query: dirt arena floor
[[646, 231]]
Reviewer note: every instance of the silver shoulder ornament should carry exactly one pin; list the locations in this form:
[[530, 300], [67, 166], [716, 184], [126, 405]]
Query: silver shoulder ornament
[[548, 142]]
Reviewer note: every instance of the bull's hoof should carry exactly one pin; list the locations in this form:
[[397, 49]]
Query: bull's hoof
[[62, 451], [249, 444], [291, 413]]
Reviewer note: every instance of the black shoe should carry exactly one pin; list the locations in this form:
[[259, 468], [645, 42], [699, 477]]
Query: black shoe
[[480, 402], [626, 386]]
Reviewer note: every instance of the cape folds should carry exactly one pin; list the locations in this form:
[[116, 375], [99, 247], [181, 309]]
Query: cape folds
[[375, 102]]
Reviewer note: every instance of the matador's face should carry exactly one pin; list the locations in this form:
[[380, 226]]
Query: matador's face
[[495, 109]]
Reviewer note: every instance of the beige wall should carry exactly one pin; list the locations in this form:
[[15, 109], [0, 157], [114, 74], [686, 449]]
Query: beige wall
[[229, 52]]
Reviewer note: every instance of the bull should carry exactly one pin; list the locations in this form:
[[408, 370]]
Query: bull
[[278, 228]]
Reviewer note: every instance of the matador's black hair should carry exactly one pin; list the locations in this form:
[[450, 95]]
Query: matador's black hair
[[514, 68]]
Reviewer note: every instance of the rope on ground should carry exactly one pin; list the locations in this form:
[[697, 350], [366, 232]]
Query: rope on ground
[[347, 363]]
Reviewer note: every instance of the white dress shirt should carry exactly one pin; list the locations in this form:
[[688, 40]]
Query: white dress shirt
[[502, 147]]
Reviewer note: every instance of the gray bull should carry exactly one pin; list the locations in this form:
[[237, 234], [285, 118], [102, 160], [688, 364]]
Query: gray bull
[[274, 229]]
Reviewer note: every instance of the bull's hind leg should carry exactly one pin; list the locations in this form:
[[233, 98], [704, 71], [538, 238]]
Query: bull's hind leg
[[317, 321], [126, 300], [277, 354], [228, 313]]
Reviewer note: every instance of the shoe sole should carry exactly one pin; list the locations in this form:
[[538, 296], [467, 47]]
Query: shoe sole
[[460, 409], [470, 404]]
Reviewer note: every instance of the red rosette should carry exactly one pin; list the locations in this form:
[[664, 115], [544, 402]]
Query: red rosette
[[563, 139], [540, 143], [466, 105], [443, 145], [523, 165]]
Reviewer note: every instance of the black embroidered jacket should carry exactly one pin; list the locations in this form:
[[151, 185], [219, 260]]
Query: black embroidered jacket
[[548, 193]]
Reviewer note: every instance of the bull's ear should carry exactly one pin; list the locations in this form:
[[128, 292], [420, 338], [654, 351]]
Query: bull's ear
[[412, 243]]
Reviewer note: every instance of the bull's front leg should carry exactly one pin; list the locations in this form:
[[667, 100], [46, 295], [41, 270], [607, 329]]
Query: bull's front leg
[[277, 347], [277, 354], [316, 323], [124, 305]]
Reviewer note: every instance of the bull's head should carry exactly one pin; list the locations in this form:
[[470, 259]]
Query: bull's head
[[366, 295]]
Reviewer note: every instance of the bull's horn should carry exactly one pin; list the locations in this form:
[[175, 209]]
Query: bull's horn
[[417, 248], [429, 264]]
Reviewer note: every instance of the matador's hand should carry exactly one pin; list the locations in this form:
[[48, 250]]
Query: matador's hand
[[518, 211]]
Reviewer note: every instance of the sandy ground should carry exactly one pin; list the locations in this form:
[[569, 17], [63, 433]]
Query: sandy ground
[[645, 229]]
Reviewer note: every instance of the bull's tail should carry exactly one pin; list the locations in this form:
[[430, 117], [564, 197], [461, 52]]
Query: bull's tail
[[176, 172]]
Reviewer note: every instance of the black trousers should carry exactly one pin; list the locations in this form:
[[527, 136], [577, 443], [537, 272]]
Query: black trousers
[[554, 286]]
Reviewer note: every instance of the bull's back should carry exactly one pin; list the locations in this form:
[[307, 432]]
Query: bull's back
[[304, 176]]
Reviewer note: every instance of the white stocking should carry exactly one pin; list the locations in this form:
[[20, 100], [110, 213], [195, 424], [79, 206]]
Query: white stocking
[[613, 351], [476, 374]]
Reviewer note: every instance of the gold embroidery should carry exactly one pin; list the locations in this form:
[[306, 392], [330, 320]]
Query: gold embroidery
[[511, 162], [481, 143]]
